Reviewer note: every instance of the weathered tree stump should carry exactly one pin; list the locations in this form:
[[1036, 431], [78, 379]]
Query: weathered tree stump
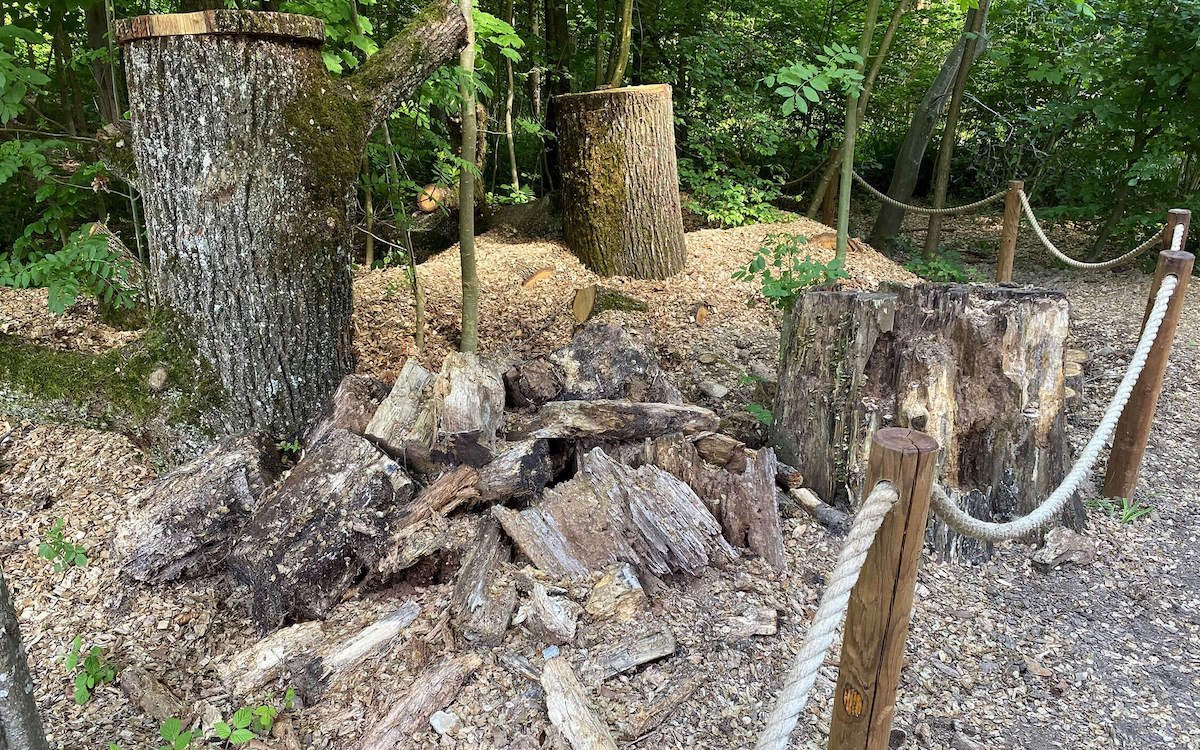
[[620, 185], [247, 153], [978, 368]]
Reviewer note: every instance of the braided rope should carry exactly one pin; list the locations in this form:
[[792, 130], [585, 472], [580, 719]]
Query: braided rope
[[830, 612], [966, 208], [964, 523], [1041, 235]]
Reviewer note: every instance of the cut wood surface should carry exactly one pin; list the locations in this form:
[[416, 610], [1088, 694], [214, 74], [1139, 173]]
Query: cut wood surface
[[432, 691], [618, 420], [182, 521], [594, 299], [520, 470], [571, 710], [633, 654]]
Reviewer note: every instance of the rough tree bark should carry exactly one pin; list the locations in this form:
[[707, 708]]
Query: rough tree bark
[[980, 369], [20, 725], [620, 186], [247, 155]]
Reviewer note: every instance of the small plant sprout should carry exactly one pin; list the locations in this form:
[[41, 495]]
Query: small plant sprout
[[251, 722], [176, 737], [782, 274], [289, 447], [1123, 509], [58, 550], [90, 670]]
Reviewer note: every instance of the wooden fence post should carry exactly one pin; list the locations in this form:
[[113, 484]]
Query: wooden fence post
[[1133, 428], [877, 620], [1008, 234]]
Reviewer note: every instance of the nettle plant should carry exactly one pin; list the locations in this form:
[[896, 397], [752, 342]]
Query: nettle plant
[[89, 667], [64, 554], [783, 275]]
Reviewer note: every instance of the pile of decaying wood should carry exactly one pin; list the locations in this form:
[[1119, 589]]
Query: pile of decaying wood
[[597, 474]]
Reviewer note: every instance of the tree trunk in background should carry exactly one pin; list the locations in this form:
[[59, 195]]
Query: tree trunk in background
[[620, 186], [912, 151], [248, 185], [95, 18], [20, 725], [618, 53], [946, 152], [466, 191], [864, 48], [979, 369], [508, 115]]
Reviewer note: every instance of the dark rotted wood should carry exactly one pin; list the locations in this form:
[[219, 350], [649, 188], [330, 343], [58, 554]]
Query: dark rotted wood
[[419, 527], [319, 530], [881, 602], [617, 420], [354, 403], [519, 470], [978, 368], [181, 523], [483, 600]]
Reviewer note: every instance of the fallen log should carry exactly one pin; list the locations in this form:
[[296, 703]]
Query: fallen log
[[610, 513], [420, 527], [432, 691], [285, 652], [348, 652], [182, 522], [354, 404], [483, 600], [570, 709], [617, 420], [826, 515], [521, 470], [319, 530]]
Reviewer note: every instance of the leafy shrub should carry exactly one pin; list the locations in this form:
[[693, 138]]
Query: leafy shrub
[[783, 275], [90, 670], [85, 265], [946, 266], [729, 200], [58, 550]]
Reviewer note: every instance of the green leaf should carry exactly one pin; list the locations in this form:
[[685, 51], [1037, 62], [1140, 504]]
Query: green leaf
[[241, 736], [170, 729], [243, 717], [222, 730]]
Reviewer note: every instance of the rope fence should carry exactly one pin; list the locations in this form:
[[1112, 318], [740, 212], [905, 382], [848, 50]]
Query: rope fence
[[952, 211], [1083, 265]]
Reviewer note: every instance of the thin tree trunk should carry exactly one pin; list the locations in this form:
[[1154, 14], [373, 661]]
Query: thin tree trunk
[[20, 725], [618, 56], [864, 49], [835, 159], [946, 152], [508, 116], [601, 21], [466, 191], [369, 221], [414, 281], [95, 17], [907, 165]]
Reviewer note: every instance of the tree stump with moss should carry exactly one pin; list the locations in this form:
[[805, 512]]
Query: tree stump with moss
[[247, 154], [620, 185]]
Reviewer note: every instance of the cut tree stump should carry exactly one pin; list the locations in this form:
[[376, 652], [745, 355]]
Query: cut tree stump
[[319, 530], [980, 369], [601, 361], [592, 300], [618, 420], [611, 513], [182, 522], [620, 184]]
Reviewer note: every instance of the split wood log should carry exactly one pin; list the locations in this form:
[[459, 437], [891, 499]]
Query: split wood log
[[420, 528], [978, 368], [285, 652], [470, 409], [354, 404], [621, 207], [744, 503], [227, 172], [521, 470], [432, 691], [1079, 357], [828, 516], [484, 599], [618, 420], [632, 654], [405, 422], [570, 709], [617, 595], [550, 619], [319, 530], [350, 651], [590, 301], [602, 361], [640, 720], [611, 513], [182, 522], [148, 693], [721, 450]]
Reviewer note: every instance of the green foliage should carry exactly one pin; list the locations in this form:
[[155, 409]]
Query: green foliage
[[761, 413], [946, 266], [18, 80], [783, 275], [726, 200], [1123, 509], [89, 669], [55, 548], [177, 738], [251, 722], [800, 83], [85, 264], [289, 447]]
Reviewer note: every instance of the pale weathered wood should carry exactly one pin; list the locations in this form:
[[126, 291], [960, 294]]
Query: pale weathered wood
[[881, 603], [432, 691], [483, 600], [641, 719], [354, 403], [826, 515], [1073, 377], [319, 530], [570, 709], [754, 621], [632, 654], [470, 408], [618, 594], [420, 527], [1079, 357], [350, 651], [721, 450], [1008, 232], [181, 523], [286, 25], [531, 276], [617, 420], [148, 693], [548, 618], [405, 423], [744, 502], [611, 513], [520, 470], [281, 653]]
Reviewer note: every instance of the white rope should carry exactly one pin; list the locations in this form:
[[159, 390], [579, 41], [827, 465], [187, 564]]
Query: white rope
[[830, 613], [1041, 235], [965, 208], [964, 523]]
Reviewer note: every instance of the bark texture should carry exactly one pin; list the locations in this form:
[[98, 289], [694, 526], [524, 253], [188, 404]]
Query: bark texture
[[247, 154], [620, 185], [980, 369], [20, 725]]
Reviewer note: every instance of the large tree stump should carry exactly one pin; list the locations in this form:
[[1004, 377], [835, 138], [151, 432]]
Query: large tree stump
[[620, 185], [980, 369], [247, 155]]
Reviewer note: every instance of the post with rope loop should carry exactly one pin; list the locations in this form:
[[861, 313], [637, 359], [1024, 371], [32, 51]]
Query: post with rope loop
[[881, 602], [1008, 233], [1133, 429]]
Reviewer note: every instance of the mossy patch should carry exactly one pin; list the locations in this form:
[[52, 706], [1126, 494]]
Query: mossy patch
[[327, 127]]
